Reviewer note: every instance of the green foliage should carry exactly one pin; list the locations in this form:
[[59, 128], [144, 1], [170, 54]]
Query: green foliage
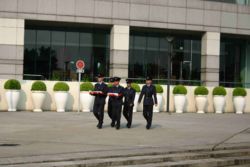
[[12, 84], [180, 89], [110, 85], [219, 91], [201, 90], [61, 86], [86, 86], [136, 87], [239, 92], [38, 86], [159, 88]]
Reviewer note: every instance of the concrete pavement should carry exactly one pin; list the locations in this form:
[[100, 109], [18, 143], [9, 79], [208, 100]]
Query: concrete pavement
[[52, 134]]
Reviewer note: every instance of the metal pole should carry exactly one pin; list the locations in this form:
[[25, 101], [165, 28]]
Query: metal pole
[[79, 90], [170, 40]]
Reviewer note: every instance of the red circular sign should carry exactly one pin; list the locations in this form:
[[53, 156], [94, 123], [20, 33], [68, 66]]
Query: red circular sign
[[80, 64]]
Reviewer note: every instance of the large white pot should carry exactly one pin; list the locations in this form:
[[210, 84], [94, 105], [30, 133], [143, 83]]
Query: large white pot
[[12, 97], [61, 98], [159, 100], [135, 109], [38, 98], [219, 103], [87, 101], [239, 104], [179, 102], [201, 102]]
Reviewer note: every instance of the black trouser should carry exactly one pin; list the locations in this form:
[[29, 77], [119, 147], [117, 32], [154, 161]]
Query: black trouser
[[128, 113], [116, 113], [148, 113], [110, 109], [98, 111]]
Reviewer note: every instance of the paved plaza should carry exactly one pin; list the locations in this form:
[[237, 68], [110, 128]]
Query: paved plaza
[[49, 133]]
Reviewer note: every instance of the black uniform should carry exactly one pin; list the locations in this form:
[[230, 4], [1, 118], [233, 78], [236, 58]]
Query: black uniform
[[109, 102], [129, 95], [116, 103], [99, 102], [148, 91]]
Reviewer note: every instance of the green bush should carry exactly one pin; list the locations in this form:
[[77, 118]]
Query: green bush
[[61, 86], [180, 89], [239, 92], [219, 91], [159, 88], [38, 86], [12, 84], [136, 87], [86, 86], [201, 90], [110, 85]]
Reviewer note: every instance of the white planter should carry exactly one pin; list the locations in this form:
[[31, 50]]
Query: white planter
[[239, 104], [179, 102], [38, 98], [12, 97], [135, 109], [159, 100], [61, 98], [87, 101], [219, 103], [201, 102]]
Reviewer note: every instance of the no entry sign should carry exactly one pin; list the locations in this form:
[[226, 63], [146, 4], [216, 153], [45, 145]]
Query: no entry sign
[[80, 64]]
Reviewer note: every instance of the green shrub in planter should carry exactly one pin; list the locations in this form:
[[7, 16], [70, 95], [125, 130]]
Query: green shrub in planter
[[159, 88], [219, 91], [201, 90], [86, 86], [12, 84], [38, 86], [136, 87], [110, 85], [61, 86], [239, 92], [180, 89]]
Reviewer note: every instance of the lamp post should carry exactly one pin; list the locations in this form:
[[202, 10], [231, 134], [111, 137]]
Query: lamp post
[[170, 44]]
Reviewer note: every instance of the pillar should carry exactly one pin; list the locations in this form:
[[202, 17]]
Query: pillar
[[210, 59], [119, 51], [11, 48]]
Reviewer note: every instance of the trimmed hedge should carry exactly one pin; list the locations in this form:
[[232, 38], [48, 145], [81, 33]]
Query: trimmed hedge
[[180, 89], [201, 90], [219, 91], [12, 84], [159, 88], [110, 85], [38, 86], [61, 86], [136, 87], [239, 92], [86, 86]]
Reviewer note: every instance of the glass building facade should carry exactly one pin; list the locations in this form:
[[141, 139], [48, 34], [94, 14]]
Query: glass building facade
[[51, 52], [149, 51], [234, 62]]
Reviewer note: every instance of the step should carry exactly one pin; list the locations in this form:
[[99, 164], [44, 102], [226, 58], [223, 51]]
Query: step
[[145, 159]]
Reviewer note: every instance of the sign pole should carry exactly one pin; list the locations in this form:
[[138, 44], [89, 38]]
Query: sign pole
[[80, 69]]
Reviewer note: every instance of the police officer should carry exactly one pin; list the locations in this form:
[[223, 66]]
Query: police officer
[[116, 95], [148, 91], [129, 95], [100, 93], [111, 82]]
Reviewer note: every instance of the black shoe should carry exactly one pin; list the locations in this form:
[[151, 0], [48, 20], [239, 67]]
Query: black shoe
[[99, 126], [128, 125], [112, 124], [148, 126], [117, 127]]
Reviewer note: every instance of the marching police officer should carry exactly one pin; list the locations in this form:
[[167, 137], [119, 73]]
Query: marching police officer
[[148, 91], [116, 95], [129, 95], [100, 93], [111, 82]]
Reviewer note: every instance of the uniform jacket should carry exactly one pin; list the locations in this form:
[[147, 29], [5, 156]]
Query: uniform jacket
[[100, 99], [148, 92], [129, 95], [117, 89]]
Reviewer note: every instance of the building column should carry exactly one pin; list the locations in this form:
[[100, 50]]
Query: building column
[[11, 48], [119, 51], [210, 59]]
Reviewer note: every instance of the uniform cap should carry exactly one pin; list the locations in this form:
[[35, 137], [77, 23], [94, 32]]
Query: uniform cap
[[128, 81], [100, 75], [149, 78], [111, 79], [117, 79]]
